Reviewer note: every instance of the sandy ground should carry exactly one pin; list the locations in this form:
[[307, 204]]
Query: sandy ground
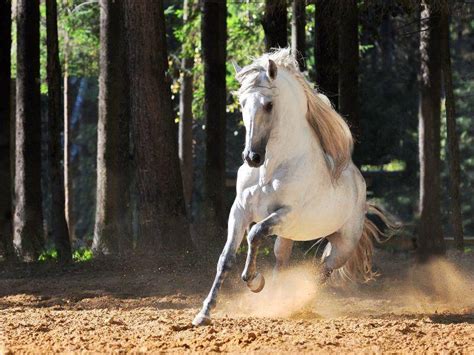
[[148, 307]]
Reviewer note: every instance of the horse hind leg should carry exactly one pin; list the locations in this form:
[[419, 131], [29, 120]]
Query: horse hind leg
[[282, 250], [347, 250], [336, 253]]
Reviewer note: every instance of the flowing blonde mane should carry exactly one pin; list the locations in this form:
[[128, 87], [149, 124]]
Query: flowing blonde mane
[[330, 128]]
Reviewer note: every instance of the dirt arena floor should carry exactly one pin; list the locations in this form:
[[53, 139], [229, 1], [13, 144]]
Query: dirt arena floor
[[148, 307]]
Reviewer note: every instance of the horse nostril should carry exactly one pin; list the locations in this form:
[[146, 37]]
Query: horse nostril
[[255, 157]]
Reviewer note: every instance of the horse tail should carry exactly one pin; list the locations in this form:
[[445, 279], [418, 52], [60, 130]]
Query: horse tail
[[359, 266]]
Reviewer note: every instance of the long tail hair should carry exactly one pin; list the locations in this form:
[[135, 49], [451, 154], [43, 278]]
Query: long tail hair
[[359, 266]]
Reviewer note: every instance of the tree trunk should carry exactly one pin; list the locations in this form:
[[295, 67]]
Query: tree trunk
[[67, 162], [349, 65], [113, 225], [326, 49], [59, 228], [452, 136], [186, 111], [161, 208], [387, 41], [275, 24], [298, 33], [213, 37], [430, 233], [28, 220], [5, 141]]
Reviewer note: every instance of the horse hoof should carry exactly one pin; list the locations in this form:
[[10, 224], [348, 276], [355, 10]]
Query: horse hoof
[[201, 320], [324, 276], [257, 284]]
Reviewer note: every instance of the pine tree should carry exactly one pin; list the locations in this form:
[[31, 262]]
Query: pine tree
[[113, 224], [161, 206], [326, 49], [452, 135], [28, 217], [186, 109], [6, 241], [349, 65], [430, 233], [213, 37], [275, 23], [298, 32]]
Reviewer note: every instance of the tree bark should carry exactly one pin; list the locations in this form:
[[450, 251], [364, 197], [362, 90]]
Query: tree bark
[[387, 41], [67, 161], [214, 37], [161, 208], [452, 136], [186, 111], [326, 49], [298, 33], [349, 65], [59, 229], [275, 24], [113, 224], [430, 233], [28, 220], [6, 230]]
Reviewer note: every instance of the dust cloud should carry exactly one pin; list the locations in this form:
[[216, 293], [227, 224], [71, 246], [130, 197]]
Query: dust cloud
[[438, 286]]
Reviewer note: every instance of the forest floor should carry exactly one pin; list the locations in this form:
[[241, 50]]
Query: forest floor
[[99, 306]]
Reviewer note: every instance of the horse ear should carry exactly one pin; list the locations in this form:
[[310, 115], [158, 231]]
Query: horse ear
[[237, 68], [272, 69]]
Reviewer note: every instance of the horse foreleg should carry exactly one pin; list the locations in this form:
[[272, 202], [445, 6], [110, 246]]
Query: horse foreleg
[[264, 228], [236, 229], [282, 251]]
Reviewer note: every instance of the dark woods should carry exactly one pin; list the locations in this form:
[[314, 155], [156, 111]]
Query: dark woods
[[162, 149]]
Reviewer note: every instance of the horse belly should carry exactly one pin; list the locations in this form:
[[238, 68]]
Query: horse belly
[[319, 221]]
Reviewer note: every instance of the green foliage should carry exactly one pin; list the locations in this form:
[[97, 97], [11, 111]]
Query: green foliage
[[78, 31], [79, 37], [188, 34], [82, 254], [43, 49], [79, 255], [394, 165], [48, 255], [243, 22], [310, 59], [363, 48]]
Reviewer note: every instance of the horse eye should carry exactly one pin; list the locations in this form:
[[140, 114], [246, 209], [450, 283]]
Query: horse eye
[[268, 107]]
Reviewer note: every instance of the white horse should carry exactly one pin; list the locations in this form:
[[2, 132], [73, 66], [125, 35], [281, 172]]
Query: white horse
[[298, 180]]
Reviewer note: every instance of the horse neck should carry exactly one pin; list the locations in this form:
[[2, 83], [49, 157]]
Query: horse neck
[[292, 135], [292, 138]]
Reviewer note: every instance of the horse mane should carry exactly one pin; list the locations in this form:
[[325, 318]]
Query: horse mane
[[330, 128]]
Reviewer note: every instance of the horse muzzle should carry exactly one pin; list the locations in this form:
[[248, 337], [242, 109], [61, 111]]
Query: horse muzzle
[[254, 159]]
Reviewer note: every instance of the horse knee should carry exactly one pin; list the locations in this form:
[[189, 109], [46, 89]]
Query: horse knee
[[225, 262], [257, 233]]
